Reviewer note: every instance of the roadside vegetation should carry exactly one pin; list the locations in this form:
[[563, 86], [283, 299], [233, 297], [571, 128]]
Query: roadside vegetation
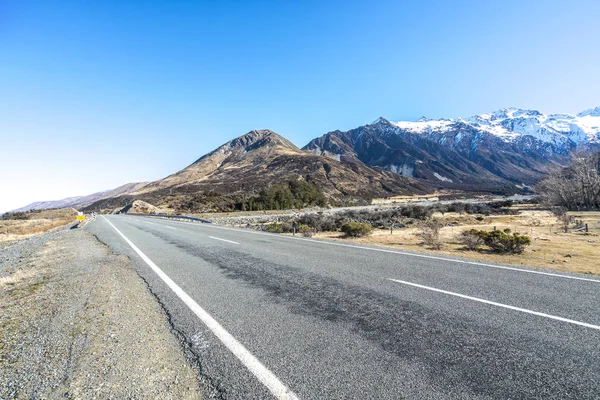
[[510, 232], [14, 226]]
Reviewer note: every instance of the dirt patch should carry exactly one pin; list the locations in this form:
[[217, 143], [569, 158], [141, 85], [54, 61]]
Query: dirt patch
[[78, 322]]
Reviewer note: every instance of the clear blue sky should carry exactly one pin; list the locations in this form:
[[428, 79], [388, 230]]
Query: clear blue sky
[[97, 94]]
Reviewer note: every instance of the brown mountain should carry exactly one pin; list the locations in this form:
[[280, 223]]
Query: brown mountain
[[261, 158], [84, 201]]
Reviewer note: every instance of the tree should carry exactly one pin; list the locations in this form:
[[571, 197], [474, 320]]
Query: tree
[[576, 187], [292, 194]]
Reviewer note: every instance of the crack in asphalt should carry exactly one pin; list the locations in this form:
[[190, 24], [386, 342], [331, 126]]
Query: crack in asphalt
[[211, 388]]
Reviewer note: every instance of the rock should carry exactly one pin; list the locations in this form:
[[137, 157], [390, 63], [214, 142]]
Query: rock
[[568, 255], [565, 261]]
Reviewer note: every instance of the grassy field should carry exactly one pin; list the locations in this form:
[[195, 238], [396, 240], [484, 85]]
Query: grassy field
[[550, 247], [36, 222]]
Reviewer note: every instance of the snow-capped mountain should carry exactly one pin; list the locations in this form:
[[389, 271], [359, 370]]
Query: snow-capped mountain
[[503, 149], [562, 132]]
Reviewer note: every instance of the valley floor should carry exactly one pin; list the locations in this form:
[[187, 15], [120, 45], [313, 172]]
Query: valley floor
[[550, 248]]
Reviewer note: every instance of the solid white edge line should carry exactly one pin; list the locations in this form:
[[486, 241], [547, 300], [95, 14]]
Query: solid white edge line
[[493, 303], [224, 240], [262, 373], [395, 252]]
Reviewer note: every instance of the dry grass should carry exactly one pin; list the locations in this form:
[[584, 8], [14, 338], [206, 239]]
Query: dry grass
[[550, 248], [38, 222]]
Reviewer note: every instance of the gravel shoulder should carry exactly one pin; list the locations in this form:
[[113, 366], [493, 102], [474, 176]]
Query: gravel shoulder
[[77, 321]]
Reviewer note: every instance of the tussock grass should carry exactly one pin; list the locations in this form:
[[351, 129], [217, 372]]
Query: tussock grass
[[550, 247], [36, 222]]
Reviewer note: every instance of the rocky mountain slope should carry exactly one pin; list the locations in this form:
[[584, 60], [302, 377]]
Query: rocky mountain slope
[[260, 158], [501, 150]]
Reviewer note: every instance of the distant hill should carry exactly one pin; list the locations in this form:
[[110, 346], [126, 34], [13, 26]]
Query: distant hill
[[82, 201]]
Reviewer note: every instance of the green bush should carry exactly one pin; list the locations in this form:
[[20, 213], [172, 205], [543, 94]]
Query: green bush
[[274, 228], [356, 229], [288, 195], [471, 239], [503, 241], [306, 230]]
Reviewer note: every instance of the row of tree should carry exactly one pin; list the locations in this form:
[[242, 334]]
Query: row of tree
[[291, 194]]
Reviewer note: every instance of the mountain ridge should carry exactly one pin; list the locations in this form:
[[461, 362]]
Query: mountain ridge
[[501, 152], [258, 159]]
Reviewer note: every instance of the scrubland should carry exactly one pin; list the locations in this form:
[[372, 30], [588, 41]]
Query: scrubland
[[550, 247], [23, 225]]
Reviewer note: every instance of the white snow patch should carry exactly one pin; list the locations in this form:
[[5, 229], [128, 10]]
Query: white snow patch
[[442, 178], [510, 124], [425, 126]]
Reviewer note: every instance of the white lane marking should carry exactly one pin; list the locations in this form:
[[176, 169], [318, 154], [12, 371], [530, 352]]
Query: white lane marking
[[493, 303], [170, 227], [262, 373], [224, 240], [396, 252]]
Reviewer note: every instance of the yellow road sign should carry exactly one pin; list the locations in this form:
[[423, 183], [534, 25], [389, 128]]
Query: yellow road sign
[[80, 217]]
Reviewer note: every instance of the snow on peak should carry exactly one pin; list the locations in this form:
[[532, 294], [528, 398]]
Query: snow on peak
[[513, 123], [592, 112]]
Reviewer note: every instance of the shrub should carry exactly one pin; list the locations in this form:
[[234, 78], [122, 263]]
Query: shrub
[[471, 239], [287, 227], [356, 229], [15, 215], [563, 218], [306, 230], [429, 232], [504, 241], [274, 228]]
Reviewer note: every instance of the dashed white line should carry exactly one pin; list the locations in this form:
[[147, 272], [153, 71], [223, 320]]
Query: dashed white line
[[493, 303], [403, 253], [223, 240], [262, 373]]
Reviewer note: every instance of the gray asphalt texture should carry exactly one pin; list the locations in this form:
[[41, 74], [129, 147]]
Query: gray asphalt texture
[[326, 320]]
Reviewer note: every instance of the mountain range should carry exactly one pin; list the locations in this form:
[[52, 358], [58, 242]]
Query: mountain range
[[500, 152]]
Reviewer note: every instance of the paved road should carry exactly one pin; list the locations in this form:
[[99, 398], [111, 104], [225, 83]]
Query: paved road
[[269, 315]]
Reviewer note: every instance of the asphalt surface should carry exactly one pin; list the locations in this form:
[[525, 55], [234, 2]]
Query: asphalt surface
[[327, 321]]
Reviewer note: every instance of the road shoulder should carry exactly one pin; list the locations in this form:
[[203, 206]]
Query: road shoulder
[[78, 322]]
